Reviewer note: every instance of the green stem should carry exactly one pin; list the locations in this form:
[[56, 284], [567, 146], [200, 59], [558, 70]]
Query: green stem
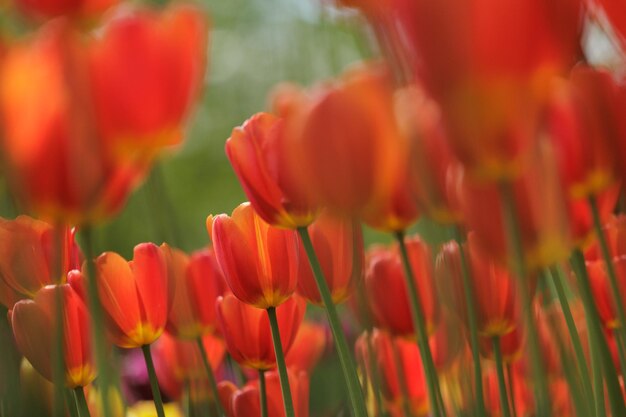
[[573, 331], [210, 376], [347, 362], [514, 243], [421, 334], [81, 402], [620, 349], [472, 322], [598, 382], [70, 403], [262, 393], [280, 363], [616, 400], [154, 382], [404, 390], [509, 377], [97, 322], [58, 370], [504, 402]]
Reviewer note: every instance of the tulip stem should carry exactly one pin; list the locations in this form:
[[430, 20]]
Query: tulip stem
[[154, 382], [81, 402], [70, 403], [509, 377], [210, 376], [573, 331], [472, 322], [262, 393], [597, 340], [97, 322], [417, 316], [598, 382], [280, 363], [347, 362], [620, 332], [514, 244], [504, 402]]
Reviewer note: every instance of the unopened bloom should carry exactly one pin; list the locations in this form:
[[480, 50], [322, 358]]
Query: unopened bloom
[[34, 326], [259, 261], [198, 282], [257, 152], [247, 332], [338, 244], [135, 295]]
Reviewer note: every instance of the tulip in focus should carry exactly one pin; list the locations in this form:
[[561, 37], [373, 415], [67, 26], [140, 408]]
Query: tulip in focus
[[198, 282], [259, 261], [34, 326], [257, 152], [247, 332], [135, 295], [338, 244]]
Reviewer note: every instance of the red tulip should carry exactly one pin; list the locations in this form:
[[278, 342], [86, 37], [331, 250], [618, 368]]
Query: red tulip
[[338, 244], [494, 289], [387, 293], [146, 69], [601, 289], [135, 295], [308, 347], [245, 402], [411, 371], [259, 261], [56, 161], [436, 171], [247, 332], [541, 208], [256, 151], [34, 326], [522, 393], [489, 70], [582, 125], [346, 149], [76, 9], [179, 361], [28, 257], [198, 282]]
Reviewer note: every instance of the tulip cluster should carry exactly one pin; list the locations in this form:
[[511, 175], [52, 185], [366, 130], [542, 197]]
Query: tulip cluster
[[484, 119]]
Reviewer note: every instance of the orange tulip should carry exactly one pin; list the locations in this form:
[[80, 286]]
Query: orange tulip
[[245, 402], [346, 149], [489, 70], [411, 371], [259, 261], [582, 125], [308, 347], [76, 9], [179, 361], [247, 332], [34, 327], [386, 289], [541, 209], [135, 295], [28, 257], [338, 244], [145, 71], [198, 282], [256, 151], [436, 171], [601, 289], [55, 159], [494, 289]]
